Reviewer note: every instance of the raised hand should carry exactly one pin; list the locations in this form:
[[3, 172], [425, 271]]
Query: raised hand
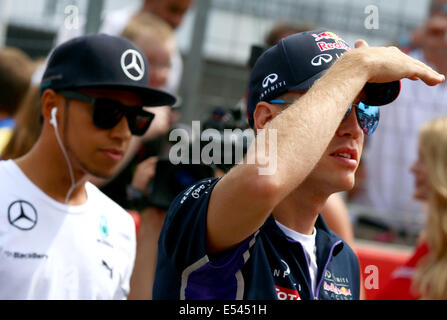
[[386, 64]]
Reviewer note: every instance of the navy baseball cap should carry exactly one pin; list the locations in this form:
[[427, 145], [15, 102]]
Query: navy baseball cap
[[102, 61], [297, 61]]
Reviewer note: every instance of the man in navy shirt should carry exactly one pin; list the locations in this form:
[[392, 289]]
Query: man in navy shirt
[[256, 233]]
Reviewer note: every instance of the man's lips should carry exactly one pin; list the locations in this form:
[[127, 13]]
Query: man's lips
[[346, 155], [113, 153]]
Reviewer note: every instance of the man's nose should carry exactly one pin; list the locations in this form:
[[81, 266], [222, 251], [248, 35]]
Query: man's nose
[[121, 130], [350, 126]]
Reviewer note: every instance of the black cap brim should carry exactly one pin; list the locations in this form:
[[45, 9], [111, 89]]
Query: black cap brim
[[150, 97], [377, 94]]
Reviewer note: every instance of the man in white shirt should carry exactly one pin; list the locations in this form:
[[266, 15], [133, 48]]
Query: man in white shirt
[[60, 237]]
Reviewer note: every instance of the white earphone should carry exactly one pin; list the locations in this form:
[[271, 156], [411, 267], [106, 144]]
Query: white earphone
[[53, 120]]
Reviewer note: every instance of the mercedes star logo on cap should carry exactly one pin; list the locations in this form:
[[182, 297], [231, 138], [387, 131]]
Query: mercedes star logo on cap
[[22, 215], [135, 64]]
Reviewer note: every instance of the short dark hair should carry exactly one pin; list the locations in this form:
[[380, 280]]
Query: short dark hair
[[15, 77]]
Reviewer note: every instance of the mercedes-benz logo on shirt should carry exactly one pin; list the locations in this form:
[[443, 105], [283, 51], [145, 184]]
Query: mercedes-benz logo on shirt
[[22, 215], [133, 64]]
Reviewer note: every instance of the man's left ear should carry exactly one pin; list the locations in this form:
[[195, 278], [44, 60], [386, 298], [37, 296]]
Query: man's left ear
[[264, 113]]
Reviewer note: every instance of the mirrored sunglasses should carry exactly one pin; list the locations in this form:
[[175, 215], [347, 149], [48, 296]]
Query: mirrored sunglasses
[[367, 116]]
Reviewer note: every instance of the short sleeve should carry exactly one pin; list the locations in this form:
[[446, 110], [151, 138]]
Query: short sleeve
[[183, 236]]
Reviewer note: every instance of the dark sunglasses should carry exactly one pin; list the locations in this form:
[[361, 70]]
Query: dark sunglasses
[[107, 113], [367, 116]]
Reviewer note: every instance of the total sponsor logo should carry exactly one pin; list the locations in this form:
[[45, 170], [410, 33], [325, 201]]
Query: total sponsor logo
[[337, 290], [287, 294]]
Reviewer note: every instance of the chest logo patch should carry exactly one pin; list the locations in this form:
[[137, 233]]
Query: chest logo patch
[[22, 215], [336, 286]]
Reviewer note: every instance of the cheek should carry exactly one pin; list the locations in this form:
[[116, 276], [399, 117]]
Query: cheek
[[81, 132], [361, 144]]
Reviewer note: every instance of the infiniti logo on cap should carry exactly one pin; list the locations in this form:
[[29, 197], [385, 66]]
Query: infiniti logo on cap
[[270, 79], [132, 64], [318, 60]]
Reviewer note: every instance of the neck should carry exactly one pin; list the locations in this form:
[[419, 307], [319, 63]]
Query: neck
[[299, 210], [47, 168]]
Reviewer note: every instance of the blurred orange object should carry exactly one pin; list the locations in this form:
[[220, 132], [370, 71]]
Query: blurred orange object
[[136, 218], [377, 263]]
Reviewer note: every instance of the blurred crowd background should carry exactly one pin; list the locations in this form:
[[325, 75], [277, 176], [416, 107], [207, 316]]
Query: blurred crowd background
[[217, 40]]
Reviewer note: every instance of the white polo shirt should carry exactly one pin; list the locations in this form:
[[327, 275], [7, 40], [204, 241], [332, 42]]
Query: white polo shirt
[[49, 250]]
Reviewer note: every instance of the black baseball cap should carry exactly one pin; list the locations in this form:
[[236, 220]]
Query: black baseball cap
[[297, 61], [102, 61]]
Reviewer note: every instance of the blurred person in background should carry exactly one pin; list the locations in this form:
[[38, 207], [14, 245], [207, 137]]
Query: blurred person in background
[[61, 237], [424, 275], [156, 38], [28, 119], [171, 11], [28, 126], [283, 29], [16, 69], [387, 182]]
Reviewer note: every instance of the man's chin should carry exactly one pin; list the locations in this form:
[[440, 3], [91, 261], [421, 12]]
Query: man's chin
[[101, 173], [345, 185]]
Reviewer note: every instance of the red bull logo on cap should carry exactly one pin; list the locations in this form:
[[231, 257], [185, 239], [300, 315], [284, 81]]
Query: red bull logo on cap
[[338, 44], [326, 35]]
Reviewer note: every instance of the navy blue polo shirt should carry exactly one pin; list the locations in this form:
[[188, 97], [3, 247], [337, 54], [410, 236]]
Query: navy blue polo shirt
[[266, 266]]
